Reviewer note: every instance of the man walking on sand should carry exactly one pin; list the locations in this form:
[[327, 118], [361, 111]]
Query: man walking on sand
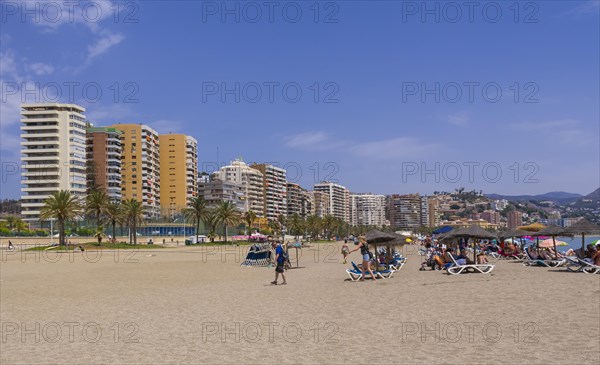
[[280, 260]]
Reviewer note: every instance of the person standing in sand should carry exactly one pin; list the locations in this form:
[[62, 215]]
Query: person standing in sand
[[363, 246], [280, 260], [345, 251]]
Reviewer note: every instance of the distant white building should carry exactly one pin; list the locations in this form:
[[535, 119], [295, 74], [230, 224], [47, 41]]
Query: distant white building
[[367, 210], [499, 205], [338, 199], [53, 154], [251, 179]]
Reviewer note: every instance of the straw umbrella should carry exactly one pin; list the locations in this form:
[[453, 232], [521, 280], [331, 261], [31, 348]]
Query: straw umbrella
[[552, 231], [474, 232], [397, 240], [376, 236], [514, 233], [583, 227], [534, 227]]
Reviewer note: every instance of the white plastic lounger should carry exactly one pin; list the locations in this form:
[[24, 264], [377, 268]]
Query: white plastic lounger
[[459, 269], [579, 265], [528, 261]]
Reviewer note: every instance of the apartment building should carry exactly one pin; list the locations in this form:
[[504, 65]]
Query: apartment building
[[53, 154], [367, 210], [407, 211], [252, 180], [318, 203], [274, 190], [103, 150], [140, 166], [515, 219], [338, 197], [178, 172], [214, 191]]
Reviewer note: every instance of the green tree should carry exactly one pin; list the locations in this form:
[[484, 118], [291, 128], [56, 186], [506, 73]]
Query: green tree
[[134, 213], [62, 206], [115, 214], [227, 215], [95, 205], [313, 225], [329, 224], [296, 224], [196, 212], [249, 219]]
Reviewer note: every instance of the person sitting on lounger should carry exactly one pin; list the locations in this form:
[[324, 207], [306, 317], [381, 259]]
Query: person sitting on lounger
[[545, 255], [532, 253], [596, 258], [482, 258], [510, 249], [463, 258]]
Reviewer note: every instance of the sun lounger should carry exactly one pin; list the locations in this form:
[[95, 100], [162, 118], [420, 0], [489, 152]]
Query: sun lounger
[[456, 269], [579, 265], [529, 261], [355, 273]]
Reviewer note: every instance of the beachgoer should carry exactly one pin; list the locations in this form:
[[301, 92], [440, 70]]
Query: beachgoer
[[363, 246], [10, 246], [345, 251], [280, 260]]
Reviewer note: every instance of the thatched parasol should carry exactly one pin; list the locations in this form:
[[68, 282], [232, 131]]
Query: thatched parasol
[[396, 240], [533, 227], [583, 227], [513, 233], [473, 231], [552, 231], [378, 236]]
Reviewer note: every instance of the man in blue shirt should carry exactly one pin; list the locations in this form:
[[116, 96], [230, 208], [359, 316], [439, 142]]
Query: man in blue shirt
[[280, 260]]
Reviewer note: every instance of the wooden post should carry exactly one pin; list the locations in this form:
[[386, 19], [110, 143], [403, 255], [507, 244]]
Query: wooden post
[[554, 243], [582, 245]]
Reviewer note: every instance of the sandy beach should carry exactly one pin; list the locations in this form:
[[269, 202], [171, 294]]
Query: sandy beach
[[198, 305]]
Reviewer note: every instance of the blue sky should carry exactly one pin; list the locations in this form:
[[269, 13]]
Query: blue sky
[[158, 63]]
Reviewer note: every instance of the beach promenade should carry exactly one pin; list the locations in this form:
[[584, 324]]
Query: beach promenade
[[198, 305]]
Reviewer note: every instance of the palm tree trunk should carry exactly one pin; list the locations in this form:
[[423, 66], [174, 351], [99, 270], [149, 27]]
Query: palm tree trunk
[[225, 225], [114, 231], [197, 229], [61, 232], [134, 233]]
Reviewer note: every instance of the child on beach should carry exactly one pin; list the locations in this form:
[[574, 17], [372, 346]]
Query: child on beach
[[345, 251]]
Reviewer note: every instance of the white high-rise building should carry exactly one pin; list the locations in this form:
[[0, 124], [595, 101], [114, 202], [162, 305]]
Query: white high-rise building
[[367, 210], [339, 199], [252, 180], [53, 154], [275, 190]]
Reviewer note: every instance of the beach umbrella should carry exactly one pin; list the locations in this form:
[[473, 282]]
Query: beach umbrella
[[550, 242], [514, 233], [595, 243], [397, 240], [552, 231], [475, 232], [378, 236], [533, 227], [583, 227]]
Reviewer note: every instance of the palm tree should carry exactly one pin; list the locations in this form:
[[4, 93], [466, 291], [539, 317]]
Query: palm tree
[[134, 213], [114, 213], [62, 206], [328, 225], [274, 226], [313, 225], [296, 224], [211, 222], [281, 219], [196, 212], [227, 214], [95, 205], [249, 218]]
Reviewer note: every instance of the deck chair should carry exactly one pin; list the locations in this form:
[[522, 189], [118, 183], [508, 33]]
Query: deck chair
[[529, 261], [579, 265], [355, 273], [456, 269]]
